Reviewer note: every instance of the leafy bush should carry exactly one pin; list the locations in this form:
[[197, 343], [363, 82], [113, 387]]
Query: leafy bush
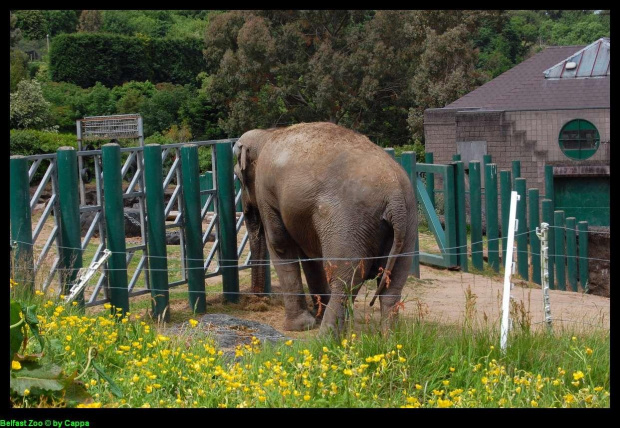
[[29, 109]]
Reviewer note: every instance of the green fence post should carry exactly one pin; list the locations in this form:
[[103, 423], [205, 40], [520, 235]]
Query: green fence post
[[193, 228], [461, 219], [21, 222], [70, 233], [505, 186], [571, 252], [549, 191], [486, 159], [584, 271], [490, 179], [409, 165], [534, 222], [560, 258], [456, 157], [521, 238], [449, 198], [430, 179], [516, 172], [115, 227], [226, 216], [390, 151], [547, 217], [156, 229], [475, 208]]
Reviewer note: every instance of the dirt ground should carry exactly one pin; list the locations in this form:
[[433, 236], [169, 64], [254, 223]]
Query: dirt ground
[[442, 296]]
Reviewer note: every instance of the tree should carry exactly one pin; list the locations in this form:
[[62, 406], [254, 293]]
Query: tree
[[355, 68], [446, 73], [16, 33], [60, 21], [32, 24], [91, 21], [19, 68], [28, 108]]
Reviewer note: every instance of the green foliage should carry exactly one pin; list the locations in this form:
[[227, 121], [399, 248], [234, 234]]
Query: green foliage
[[91, 21], [113, 59], [16, 33], [355, 68], [60, 21], [18, 68], [154, 23], [32, 23], [28, 109], [417, 147], [31, 142], [87, 58]]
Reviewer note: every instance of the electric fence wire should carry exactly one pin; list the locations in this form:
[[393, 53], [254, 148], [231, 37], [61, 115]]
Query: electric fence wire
[[257, 262]]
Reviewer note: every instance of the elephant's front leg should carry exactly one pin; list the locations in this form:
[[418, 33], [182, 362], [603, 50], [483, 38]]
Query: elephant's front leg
[[296, 313]]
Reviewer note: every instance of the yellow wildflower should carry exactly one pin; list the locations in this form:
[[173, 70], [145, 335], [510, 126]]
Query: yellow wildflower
[[89, 405], [578, 375], [193, 323], [15, 365], [26, 392]]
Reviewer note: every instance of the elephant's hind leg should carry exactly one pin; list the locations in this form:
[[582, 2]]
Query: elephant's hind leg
[[345, 278], [317, 284], [284, 256]]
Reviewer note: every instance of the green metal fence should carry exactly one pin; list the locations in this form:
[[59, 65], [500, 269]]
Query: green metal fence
[[203, 208], [568, 263], [202, 216]]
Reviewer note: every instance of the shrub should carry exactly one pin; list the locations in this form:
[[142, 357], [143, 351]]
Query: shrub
[[28, 109]]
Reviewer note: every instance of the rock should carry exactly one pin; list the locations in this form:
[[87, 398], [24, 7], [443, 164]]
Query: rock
[[132, 222], [173, 238], [229, 331]]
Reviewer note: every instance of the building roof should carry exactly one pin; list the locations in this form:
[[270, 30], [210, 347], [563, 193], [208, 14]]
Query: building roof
[[591, 61], [525, 86]]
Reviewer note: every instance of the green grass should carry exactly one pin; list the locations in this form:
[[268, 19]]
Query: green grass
[[419, 364]]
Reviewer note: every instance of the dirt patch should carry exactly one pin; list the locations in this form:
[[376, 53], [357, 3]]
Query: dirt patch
[[441, 296]]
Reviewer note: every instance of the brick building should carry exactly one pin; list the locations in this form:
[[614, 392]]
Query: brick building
[[551, 109]]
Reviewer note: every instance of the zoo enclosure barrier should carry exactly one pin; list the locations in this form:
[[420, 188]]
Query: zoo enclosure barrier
[[142, 174], [175, 168], [568, 237]]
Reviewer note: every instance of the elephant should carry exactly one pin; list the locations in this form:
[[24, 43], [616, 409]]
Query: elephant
[[326, 197]]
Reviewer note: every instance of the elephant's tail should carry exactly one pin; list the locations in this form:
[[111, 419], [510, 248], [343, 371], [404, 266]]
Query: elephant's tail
[[398, 220]]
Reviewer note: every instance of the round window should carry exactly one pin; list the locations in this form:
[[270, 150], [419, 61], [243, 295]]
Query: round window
[[579, 139]]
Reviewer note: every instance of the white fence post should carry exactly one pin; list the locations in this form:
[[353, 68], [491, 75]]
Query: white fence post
[[508, 270], [542, 234]]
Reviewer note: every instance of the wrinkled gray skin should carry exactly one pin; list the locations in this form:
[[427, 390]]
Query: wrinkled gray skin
[[318, 190]]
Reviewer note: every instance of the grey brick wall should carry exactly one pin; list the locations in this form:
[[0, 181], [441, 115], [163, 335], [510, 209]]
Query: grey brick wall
[[528, 136]]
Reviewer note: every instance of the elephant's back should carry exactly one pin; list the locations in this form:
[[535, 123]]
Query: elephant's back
[[323, 148]]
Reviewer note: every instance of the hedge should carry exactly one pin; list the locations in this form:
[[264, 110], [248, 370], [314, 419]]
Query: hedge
[[87, 58]]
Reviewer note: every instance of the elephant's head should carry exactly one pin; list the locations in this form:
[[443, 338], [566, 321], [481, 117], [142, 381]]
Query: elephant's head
[[247, 150]]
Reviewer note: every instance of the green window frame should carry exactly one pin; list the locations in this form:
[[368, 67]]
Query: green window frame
[[579, 139]]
